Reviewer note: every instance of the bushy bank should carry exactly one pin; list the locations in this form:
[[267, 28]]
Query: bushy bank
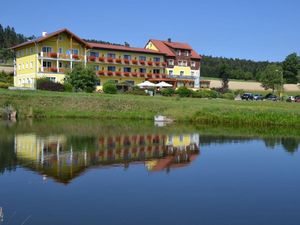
[[44, 104]]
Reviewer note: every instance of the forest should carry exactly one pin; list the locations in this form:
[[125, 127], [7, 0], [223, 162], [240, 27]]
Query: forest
[[8, 38], [238, 68]]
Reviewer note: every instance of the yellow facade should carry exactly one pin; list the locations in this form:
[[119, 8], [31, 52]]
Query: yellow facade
[[33, 63], [53, 55], [151, 46]]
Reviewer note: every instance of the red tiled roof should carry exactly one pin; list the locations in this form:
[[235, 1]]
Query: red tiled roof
[[177, 45], [166, 47], [123, 48], [52, 35]]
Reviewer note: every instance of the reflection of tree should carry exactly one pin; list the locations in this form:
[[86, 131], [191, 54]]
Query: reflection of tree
[[271, 142], [8, 158], [290, 144]]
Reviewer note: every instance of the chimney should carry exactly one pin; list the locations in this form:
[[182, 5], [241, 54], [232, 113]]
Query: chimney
[[169, 40], [127, 44], [44, 33]]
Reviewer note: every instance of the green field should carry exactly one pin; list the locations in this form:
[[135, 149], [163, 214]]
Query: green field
[[42, 104]]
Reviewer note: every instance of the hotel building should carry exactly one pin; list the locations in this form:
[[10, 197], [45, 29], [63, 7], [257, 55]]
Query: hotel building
[[51, 55]]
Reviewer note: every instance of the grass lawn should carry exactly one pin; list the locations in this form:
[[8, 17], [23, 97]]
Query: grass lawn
[[43, 104]]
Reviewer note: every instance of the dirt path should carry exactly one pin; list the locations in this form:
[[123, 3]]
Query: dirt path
[[6, 69], [251, 86]]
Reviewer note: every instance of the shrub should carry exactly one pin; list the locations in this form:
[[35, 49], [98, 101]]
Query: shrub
[[82, 79], [183, 92], [167, 92], [205, 94], [110, 87], [48, 85], [68, 87], [228, 95], [136, 91], [4, 85]]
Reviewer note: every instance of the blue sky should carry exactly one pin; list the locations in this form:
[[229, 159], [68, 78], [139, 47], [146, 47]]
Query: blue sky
[[256, 29]]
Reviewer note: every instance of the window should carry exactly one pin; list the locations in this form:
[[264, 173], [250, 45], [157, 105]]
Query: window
[[31, 50], [143, 70], [98, 82], [171, 62], [156, 71], [23, 66], [60, 65], [31, 65], [178, 52], [127, 69], [111, 68], [192, 73], [53, 79], [26, 65], [46, 64], [26, 50], [96, 54], [181, 73], [75, 51], [96, 68], [111, 55], [128, 57], [19, 67], [187, 53], [60, 50], [181, 138], [193, 63], [182, 63], [171, 72], [142, 58], [156, 59], [28, 81], [46, 49]]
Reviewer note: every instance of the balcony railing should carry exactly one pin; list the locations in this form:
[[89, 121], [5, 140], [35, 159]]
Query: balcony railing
[[123, 61], [52, 70], [56, 55], [184, 77], [130, 74]]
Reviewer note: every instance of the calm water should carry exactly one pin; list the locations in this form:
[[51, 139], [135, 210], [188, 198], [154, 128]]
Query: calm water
[[95, 172]]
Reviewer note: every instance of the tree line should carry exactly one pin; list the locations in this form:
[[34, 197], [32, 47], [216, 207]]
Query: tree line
[[251, 70], [8, 38]]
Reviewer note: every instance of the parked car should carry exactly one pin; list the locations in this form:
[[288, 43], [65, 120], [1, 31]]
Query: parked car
[[290, 99], [297, 98], [271, 97], [247, 96], [257, 97]]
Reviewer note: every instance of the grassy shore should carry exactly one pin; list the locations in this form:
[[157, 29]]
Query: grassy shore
[[42, 104]]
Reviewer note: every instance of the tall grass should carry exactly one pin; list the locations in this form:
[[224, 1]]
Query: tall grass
[[43, 104]]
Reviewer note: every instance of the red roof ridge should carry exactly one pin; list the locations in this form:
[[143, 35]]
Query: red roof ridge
[[49, 35], [123, 48]]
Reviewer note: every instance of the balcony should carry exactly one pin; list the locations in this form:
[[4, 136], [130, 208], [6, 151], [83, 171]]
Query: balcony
[[183, 77], [52, 70], [122, 61], [60, 56], [130, 74]]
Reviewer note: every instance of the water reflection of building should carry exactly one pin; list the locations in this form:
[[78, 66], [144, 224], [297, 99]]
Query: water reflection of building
[[65, 158]]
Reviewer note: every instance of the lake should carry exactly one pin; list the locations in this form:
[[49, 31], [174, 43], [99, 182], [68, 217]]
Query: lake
[[129, 172]]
